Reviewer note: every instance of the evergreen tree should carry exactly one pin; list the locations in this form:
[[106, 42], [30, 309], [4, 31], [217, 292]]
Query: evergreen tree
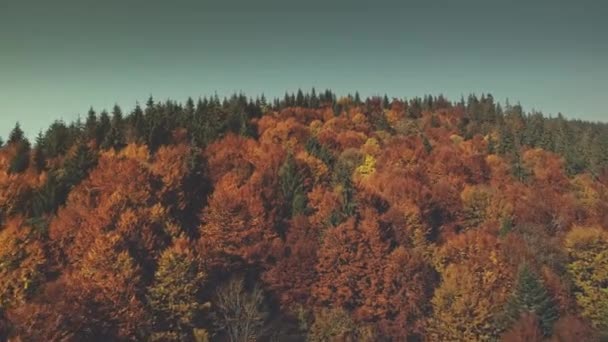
[[39, 157], [357, 98], [58, 139], [188, 112], [77, 167], [316, 149], [427, 144], [300, 98], [138, 123], [16, 135], [530, 296], [385, 102], [21, 160], [115, 137], [506, 144], [90, 125], [314, 100], [292, 187], [103, 128]]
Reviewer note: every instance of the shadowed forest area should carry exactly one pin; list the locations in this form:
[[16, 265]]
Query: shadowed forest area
[[306, 218]]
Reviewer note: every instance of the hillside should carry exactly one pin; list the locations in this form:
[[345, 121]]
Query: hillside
[[306, 218]]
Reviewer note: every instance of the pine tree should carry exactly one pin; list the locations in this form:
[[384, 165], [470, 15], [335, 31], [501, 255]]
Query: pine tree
[[530, 296], [314, 100], [506, 142], [77, 167], [385, 102], [21, 160], [103, 128], [90, 125], [357, 98], [115, 137], [138, 123], [300, 98], [292, 187], [16, 134], [39, 157], [427, 144]]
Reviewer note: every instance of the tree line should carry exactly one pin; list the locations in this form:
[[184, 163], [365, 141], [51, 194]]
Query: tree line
[[310, 217]]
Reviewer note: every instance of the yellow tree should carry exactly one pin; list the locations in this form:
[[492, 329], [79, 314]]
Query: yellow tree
[[173, 296], [588, 267], [475, 285]]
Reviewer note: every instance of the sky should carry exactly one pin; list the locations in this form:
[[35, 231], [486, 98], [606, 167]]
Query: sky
[[58, 58]]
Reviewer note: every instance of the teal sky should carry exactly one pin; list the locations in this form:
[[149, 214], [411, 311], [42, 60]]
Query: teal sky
[[58, 58]]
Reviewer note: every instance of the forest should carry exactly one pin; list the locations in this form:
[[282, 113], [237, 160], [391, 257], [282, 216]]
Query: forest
[[309, 217]]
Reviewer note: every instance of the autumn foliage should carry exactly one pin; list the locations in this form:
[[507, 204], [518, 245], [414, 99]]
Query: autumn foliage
[[311, 218]]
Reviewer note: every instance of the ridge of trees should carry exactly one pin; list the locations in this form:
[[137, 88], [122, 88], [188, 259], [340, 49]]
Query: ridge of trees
[[307, 217]]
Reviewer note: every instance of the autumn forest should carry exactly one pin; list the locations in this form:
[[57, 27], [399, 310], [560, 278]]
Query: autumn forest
[[310, 217]]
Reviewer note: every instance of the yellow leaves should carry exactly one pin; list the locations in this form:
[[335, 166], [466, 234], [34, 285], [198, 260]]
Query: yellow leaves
[[586, 191], [456, 139], [140, 153], [315, 126], [580, 239], [476, 201], [588, 267], [466, 303], [359, 119], [131, 151], [368, 166]]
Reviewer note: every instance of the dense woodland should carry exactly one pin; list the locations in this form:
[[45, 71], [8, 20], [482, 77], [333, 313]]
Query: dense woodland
[[306, 218]]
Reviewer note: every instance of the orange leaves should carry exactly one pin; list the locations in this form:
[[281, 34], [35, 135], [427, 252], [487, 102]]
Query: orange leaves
[[294, 272], [547, 167], [235, 223], [358, 270], [22, 262], [104, 202]]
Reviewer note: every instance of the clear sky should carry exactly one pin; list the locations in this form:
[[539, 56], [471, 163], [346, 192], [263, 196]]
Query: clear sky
[[58, 58]]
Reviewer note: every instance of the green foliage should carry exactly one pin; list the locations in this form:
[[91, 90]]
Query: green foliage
[[173, 296], [506, 225], [316, 149], [57, 139], [21, 160], [16, 134], [292, 187], [530, 296], [39, 157]]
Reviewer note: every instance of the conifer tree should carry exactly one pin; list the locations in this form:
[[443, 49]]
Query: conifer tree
[[115, 137], [16, 134], [292, 187], [21, 160], [39, 157], [90, 125], [530, 296]]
